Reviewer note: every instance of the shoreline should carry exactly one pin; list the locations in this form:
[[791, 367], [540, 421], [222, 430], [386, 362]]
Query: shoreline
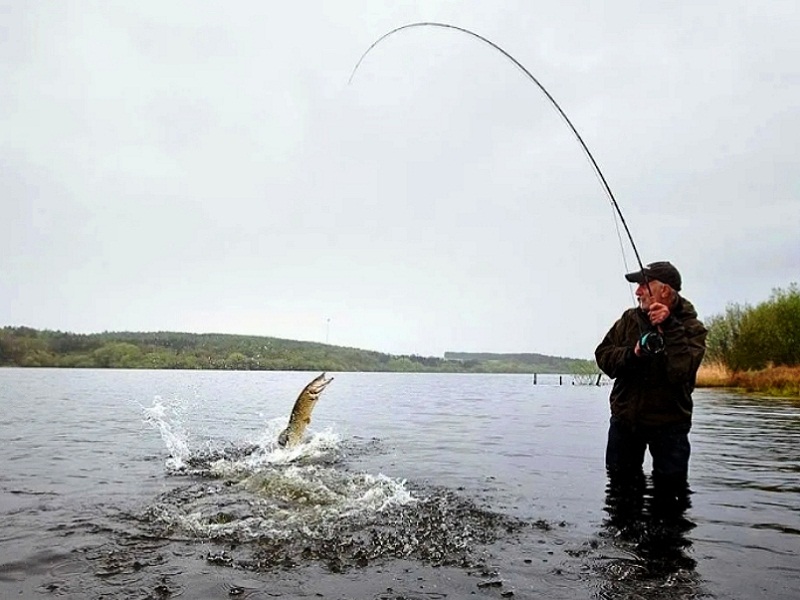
[[782, 381], [779, 381]]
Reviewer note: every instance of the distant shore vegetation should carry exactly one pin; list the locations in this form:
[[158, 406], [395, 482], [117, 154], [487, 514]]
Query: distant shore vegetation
[[27, 347], [756, 348], [752, 348]]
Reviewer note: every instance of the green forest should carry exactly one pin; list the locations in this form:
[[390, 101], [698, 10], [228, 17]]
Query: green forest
[[755, 337], [27, 347]]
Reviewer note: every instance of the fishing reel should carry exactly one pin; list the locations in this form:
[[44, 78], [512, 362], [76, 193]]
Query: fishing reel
[[652, 343]]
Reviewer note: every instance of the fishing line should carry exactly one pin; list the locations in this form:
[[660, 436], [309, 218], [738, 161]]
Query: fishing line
[[592, 161]]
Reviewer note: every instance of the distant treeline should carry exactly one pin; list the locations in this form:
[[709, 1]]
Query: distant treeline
[[754, 337], [26, 347], [527, 362]]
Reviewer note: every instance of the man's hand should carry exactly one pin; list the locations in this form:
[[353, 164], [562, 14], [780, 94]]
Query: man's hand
[[658, 313]]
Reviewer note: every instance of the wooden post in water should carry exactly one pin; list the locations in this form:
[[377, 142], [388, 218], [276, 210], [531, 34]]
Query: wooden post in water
[[559, 380], [599, 375], [534, 379]]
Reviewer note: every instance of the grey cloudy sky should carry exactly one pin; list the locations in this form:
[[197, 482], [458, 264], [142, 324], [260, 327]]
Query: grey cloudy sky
[[205, 166]]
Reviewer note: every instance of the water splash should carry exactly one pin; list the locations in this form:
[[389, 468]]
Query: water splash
[[293, 515], [316, 447], [212, 457], [277, 502], [273, 506], [167, 416]]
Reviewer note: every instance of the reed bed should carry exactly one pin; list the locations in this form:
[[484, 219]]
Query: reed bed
[[774, 381], [713, 375]]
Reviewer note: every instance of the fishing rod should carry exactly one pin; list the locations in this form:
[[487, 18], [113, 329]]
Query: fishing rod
[[552, 100]]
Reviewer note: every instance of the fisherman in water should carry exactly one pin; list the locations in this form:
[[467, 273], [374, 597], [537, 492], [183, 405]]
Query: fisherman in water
[[652, 353]]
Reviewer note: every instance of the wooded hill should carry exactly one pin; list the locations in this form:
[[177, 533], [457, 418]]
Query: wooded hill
[[528, 362], [26, 347]]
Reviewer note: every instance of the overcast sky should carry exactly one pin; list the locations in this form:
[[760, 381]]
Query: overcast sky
[[206, 167]]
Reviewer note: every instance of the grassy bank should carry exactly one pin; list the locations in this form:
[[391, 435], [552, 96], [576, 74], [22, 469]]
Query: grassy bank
[[773, 381]]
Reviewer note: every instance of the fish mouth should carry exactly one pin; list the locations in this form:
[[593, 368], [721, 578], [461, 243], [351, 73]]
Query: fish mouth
[[319, 384]]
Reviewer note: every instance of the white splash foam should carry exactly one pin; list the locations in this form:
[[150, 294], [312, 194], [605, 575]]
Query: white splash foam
[[167, 417], [329, 492], [280, 500], [383, 493], [316, 445]]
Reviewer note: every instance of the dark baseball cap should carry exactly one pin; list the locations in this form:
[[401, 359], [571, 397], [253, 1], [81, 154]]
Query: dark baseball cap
[[662, 271]]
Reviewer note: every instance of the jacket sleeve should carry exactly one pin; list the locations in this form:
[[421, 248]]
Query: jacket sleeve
[[684, 350], [615, 355]]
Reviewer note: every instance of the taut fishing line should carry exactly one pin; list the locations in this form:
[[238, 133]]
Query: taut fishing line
[[563, 115]]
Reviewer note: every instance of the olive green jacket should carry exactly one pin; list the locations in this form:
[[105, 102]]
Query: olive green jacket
[[657, 389]]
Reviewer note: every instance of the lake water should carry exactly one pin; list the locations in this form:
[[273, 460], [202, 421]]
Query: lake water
[[161, 484]]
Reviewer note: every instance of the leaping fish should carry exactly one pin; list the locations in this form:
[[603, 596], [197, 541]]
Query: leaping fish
[[301, 413]]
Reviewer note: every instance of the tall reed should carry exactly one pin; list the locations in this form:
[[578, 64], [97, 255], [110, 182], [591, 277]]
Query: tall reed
[[776, 381]]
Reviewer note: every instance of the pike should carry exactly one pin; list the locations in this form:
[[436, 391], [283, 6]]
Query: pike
[[301, 413]]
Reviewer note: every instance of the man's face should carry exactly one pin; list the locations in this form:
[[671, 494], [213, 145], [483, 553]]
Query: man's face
[[657, 292]]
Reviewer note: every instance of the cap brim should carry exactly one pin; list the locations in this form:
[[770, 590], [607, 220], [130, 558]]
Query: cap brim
[[635, 277]]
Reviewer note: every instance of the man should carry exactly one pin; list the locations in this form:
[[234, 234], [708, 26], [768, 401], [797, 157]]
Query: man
[[653, 352]]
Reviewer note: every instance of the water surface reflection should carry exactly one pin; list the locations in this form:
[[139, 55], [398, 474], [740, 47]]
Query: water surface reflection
[[647, 549]]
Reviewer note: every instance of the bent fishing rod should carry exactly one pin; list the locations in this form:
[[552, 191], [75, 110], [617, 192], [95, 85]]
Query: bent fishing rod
[[552, 100]]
